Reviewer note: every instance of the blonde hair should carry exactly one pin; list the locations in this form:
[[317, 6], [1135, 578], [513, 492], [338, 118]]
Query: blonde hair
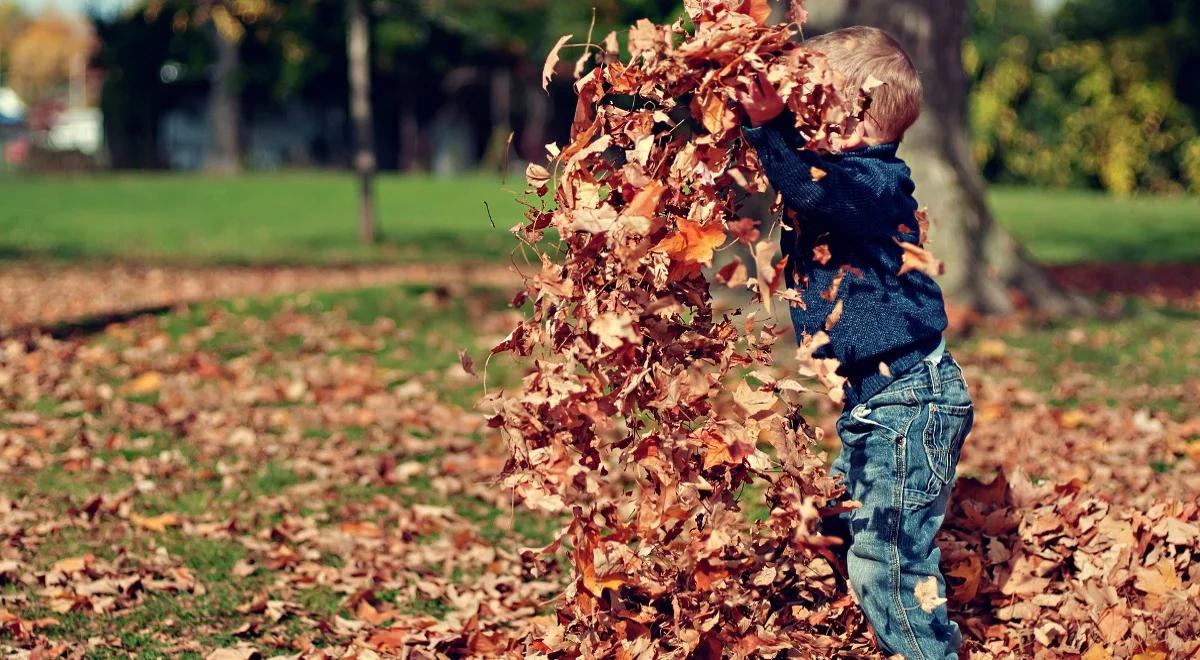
[[859, 53]]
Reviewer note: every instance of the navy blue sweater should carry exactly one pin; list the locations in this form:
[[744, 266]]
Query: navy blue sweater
[[859, 210]]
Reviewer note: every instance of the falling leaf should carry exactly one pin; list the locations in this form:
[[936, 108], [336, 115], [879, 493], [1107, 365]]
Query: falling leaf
[[753, 402], [927, 594], [465, 360], [835, 315], [552, 60], [745, 230], [536, 175], [919, 259], [733, 274], [759, 10], [797, 13], [613, 329], [693, 243], [645, 202]]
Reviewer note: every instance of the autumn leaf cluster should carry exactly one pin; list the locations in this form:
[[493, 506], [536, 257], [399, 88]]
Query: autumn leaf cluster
[[646, 416]]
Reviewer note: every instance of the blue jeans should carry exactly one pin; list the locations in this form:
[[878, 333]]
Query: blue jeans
[[900, 449]]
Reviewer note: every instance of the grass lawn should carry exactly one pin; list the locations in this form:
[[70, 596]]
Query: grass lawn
[[294, 218], [299, 491], [1074, 226], [307, 442], [310, 218]]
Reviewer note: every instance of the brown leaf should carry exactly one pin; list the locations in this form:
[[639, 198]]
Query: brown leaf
[[927, 594], [552, 60], [467, 363], [919, 259]]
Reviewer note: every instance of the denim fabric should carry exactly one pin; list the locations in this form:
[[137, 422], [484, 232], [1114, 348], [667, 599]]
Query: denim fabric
[[900, 449]]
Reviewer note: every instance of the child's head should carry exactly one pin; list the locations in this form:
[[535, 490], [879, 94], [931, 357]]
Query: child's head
[[860, 53]]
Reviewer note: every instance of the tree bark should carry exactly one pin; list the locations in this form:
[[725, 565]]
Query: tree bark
[[358, 49], [224, 105], [985, 268]]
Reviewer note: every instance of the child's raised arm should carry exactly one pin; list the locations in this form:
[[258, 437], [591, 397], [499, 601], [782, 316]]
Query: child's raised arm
[[848, 190]]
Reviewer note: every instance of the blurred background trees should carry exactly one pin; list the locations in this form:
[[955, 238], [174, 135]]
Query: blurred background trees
[[1103, 93], [1078, 93]]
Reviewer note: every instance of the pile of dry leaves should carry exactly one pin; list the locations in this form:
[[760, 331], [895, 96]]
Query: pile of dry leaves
[[646, 416]]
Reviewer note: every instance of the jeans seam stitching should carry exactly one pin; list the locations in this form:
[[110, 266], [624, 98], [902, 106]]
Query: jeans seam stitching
[[932, 429], [897, 524]]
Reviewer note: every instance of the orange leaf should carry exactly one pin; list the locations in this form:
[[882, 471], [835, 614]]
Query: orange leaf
[[714, 116], [918, 258], [367, 530], [73, 564], [759, 10], [146, 383], [693, 243], [645, 202], [158, 523], [388, 639]]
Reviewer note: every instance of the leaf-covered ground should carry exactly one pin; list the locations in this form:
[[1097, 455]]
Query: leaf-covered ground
[[308, 472]]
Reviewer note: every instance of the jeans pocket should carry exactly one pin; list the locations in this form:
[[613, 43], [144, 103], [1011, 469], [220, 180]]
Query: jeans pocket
[[933, 461]]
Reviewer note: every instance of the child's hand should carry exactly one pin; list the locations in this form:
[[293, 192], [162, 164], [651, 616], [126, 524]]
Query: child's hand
[[761, 100]]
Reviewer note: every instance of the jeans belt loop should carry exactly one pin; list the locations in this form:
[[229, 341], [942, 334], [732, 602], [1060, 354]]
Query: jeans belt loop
[[935, 383], [934, 360]]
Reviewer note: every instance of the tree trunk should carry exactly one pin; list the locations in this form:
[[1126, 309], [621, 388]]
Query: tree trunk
[[495, 156], [985, 269], [358, 54], [410, 136], [224, 105]]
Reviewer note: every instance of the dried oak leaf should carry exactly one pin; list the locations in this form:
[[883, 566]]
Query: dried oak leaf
[[927, 594], [920, 259], [693, 243], [552, 60]]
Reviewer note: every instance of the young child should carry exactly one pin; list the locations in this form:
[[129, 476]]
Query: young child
[[907, 409]]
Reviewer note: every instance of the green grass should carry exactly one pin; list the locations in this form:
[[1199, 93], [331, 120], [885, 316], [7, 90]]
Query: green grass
[[1137, 355], [423, 330], [311, 218], [260, 218], [1074, 226]]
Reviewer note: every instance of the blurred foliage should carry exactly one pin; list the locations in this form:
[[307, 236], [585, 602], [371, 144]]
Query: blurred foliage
[[1096, 95], [1100, 93], [43, 54], [12, 21]]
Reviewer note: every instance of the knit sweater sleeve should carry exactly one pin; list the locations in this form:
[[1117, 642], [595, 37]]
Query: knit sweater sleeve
[[850, 192]]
